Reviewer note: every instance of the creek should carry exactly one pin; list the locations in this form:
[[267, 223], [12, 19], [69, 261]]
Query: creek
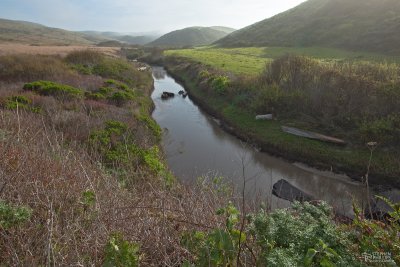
[[196, 146]]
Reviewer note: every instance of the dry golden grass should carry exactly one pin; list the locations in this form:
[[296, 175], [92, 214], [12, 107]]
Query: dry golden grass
[[12, 49]]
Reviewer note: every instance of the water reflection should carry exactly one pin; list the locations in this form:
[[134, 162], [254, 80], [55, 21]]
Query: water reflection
[[196, 145]]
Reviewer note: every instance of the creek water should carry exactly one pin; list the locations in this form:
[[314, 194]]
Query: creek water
[[196, 146]]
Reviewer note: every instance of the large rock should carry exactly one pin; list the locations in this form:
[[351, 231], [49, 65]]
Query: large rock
[[166, 95], [285, 190], [379, 208]]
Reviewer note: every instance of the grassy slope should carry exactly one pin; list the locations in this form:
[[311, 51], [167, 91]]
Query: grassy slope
[[251, 60], [192, 36], [32, 33], [268, 134], [352, 24]]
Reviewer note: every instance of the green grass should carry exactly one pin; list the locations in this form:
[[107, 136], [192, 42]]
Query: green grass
[[225, 59], [252, 60]]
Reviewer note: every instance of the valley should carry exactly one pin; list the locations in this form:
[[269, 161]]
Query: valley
[[138, 139]]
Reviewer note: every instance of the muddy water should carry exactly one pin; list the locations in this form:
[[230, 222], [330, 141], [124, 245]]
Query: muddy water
[[195, 146]]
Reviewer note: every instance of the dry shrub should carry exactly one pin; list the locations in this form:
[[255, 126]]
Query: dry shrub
[[10, 49], [85, 82], [86, 57], [29, 68], [15, 69], [46, 165], [40, 171], [7, 89]]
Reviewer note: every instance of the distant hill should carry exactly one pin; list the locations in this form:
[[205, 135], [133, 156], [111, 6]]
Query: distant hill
[[110, 43], [223, 29], [370, 25], [133, 39], [33, 33], [137, 40], [192, 36]]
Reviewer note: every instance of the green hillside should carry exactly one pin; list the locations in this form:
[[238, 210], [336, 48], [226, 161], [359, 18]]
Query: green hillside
[[33, 33], [368, 25], [223, 29], [192, 36], [252, 60], [129, 38], [136, 40]]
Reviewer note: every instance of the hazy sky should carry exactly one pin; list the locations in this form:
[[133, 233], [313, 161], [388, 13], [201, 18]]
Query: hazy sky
[[142, 15]]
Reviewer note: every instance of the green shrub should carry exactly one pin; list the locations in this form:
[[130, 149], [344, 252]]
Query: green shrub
[[152, 159], [372, 236], [117, 147], [116, 127], [204, 74], [132, 54], [115, 144], [106, 91], [121, 97], [82, 69], [385, 130], [115, 69], [57, 90], [101, 93], [117, 92], [220, 84], [88, 198], [92, 62], [21, 101], [117, 84], [220, 246], [151, 124], [95, 95], [121, 253], [272, 99], [13, 216], [303, 235]]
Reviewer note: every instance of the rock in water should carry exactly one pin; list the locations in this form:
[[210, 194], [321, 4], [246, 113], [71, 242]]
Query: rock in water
[[166, 95], [285, 190]]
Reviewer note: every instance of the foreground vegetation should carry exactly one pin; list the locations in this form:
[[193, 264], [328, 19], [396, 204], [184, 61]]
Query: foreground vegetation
[[83, 182], [82, 179]]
